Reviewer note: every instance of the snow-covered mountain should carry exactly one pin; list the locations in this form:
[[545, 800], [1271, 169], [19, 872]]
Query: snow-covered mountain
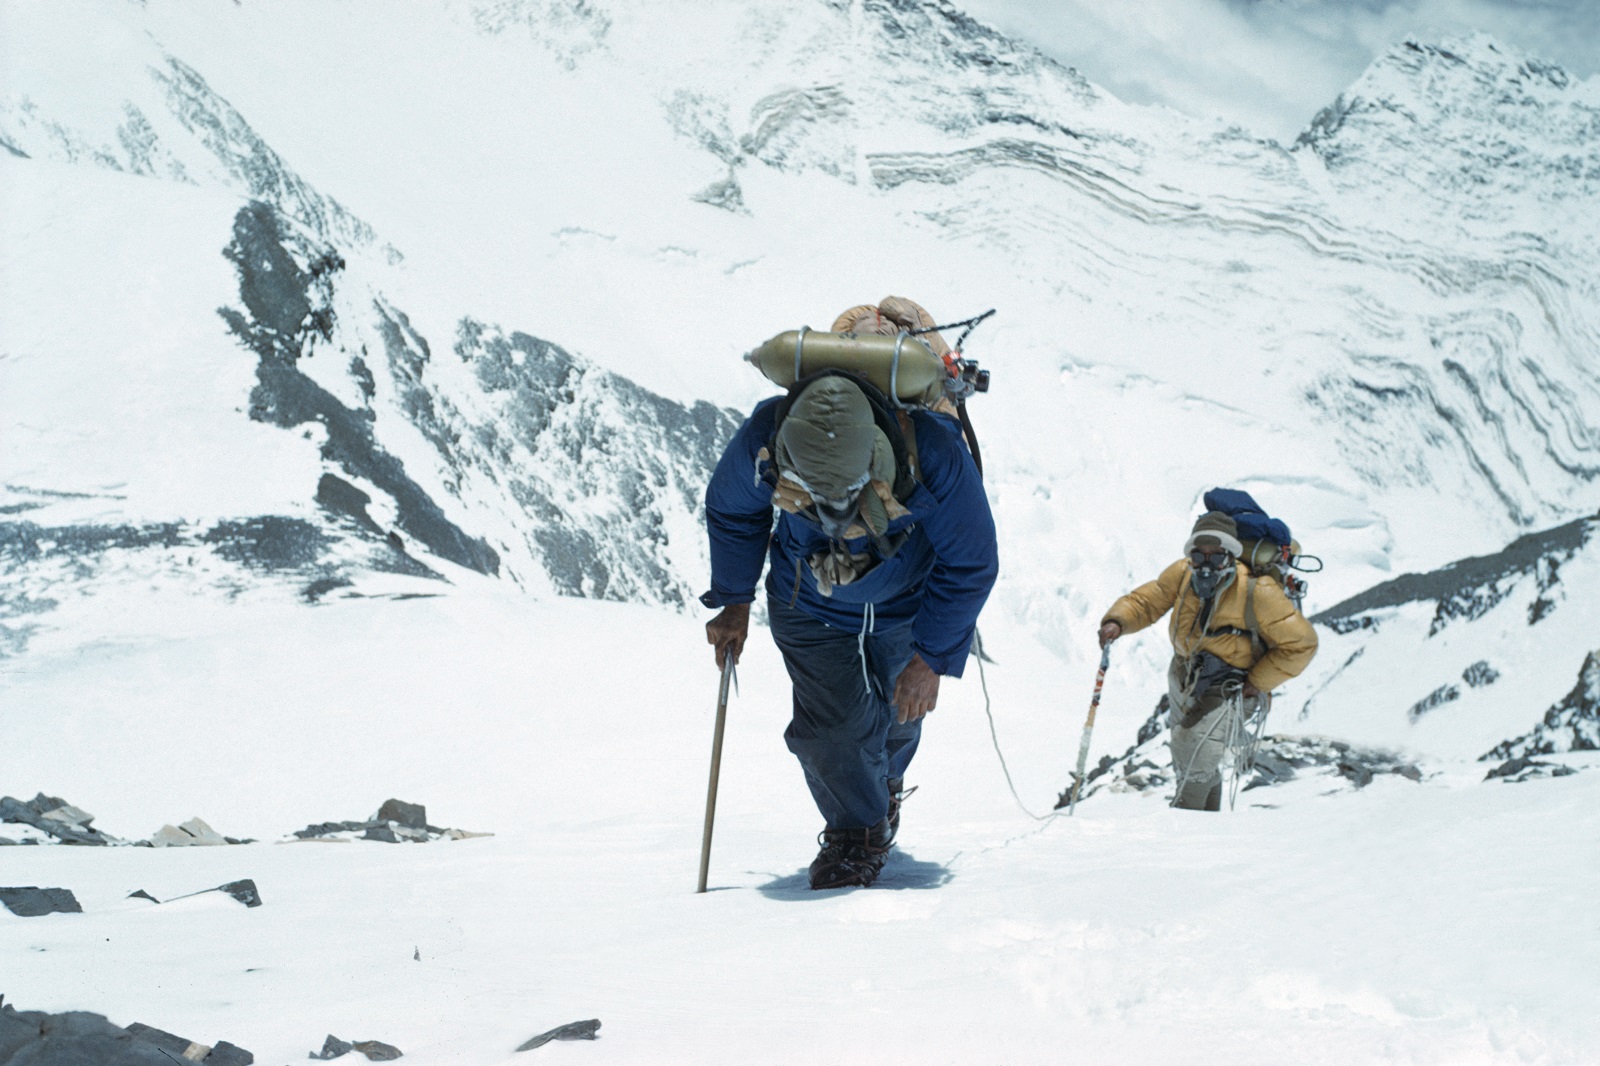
[[342, 351], [1387, 331], [588, 483], [1495, 141]]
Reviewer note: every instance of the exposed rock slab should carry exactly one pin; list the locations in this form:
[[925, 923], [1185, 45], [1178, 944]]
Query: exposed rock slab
[[32, 902], [585, 1030], [79, 1038]]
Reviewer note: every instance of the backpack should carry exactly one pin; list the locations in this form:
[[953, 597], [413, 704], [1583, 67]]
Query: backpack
[[1269, 550]]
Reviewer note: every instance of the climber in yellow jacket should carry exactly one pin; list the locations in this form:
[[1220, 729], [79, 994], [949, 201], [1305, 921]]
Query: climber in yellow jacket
[[1232, 632]]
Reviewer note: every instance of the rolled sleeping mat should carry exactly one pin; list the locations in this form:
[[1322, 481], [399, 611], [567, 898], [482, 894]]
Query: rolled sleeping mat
[[917, 374]]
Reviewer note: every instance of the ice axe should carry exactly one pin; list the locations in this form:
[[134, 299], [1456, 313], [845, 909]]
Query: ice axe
[[1088, 727], [716, 767]]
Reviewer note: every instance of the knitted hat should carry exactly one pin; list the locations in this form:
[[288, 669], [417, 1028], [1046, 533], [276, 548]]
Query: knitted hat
[[1214, 529]]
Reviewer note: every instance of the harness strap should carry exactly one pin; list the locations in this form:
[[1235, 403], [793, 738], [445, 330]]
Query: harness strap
[[1177, 611]]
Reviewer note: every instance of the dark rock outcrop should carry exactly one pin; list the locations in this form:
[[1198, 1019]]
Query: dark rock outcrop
[[1573, 724], [54, 816], [286, 286], [375, 1050], [585, 1030], [1282, 758], [1522, 768], [32, 902], [396, 822], [1468, 589], [78, 1038]]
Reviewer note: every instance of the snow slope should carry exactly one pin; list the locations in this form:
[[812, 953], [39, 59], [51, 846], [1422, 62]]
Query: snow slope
[[340, 351], [1403, 923]]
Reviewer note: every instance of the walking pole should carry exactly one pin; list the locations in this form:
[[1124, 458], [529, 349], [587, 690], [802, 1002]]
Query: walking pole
[[1088, 727], [716, 767]]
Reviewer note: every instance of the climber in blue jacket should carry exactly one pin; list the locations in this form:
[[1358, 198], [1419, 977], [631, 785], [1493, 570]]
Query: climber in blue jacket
[[882, 557]]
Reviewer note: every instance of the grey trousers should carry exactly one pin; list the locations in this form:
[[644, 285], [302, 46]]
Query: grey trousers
[[1203, 726]]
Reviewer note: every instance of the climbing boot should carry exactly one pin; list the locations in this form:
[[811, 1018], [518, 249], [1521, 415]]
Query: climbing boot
[[851, 858]]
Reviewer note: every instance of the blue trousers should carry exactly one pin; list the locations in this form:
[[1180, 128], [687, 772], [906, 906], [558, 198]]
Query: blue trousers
[[844, 731]]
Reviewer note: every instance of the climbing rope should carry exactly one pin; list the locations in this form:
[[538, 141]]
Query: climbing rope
[[995, 738]]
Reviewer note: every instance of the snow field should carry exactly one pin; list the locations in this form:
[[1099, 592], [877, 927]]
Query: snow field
[[1415, 923]]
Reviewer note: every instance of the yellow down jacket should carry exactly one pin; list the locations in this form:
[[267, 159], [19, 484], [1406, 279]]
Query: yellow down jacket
[[1290, 640]]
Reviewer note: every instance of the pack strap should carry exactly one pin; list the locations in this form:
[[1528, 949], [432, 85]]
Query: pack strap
[[1258, 647], [908, 431], [971, 435]]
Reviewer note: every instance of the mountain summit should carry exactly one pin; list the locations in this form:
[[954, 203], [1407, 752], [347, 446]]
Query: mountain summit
[[1491, 137]]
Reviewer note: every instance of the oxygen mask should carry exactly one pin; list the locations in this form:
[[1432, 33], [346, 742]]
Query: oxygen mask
[[837, 512], [1210, 571]]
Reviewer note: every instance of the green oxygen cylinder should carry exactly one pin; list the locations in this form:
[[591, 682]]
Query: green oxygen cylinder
[[1261, 556], [902, 365]]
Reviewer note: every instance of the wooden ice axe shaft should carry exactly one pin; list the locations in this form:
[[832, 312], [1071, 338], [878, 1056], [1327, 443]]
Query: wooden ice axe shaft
[[716, 767], [1088, 727]]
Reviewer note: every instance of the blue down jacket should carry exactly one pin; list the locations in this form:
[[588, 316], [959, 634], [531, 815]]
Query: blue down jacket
[[938, 580]]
